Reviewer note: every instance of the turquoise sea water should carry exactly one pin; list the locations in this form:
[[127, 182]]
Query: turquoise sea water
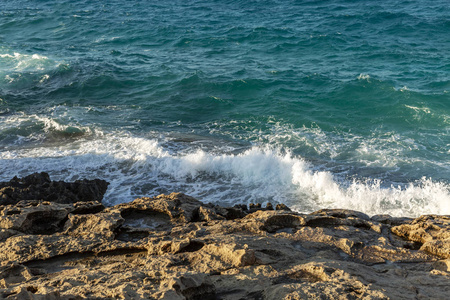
[[316, 104]]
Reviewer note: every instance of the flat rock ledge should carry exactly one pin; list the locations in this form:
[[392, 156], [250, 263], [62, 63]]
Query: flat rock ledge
[[176, 247]]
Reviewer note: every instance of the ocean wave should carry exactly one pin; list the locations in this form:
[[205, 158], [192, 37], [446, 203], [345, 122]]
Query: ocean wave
[[383, 153], [19, 72], [21, 129], [18, 62], [142, 167]]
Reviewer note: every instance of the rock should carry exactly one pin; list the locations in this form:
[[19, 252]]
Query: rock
[[387, 219], [38, 186], [231, 255], [31, 293], [208, 214], [101, 225], [233, 213], [341, 213], [159, 247], [12, 272], [282, 206], [176, 247], [242, 207], [192, 287], [431, 232], [178, 207], [281, 221], [41, 217], [254, 206]]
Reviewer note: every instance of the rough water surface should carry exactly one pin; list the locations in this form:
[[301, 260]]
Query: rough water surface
[[315, 104]]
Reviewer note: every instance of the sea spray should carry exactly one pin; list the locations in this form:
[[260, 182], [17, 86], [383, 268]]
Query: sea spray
[[139, 167]]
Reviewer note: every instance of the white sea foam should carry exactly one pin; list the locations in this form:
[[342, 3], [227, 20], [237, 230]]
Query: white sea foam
[[12, 66], [44, 78], [21, 62], [419, 109], [383, 149], [141, 166], [23, 128], [364, 77]]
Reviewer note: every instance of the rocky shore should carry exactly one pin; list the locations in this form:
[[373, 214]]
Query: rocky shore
[[57, 241]]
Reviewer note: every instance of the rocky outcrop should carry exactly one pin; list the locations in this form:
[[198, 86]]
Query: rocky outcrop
[[38, 186], [175, 247]]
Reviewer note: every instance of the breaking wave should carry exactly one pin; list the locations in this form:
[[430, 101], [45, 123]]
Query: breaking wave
[[137, 166]]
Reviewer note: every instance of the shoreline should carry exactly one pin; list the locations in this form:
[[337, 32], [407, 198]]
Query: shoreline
[[176, 247]]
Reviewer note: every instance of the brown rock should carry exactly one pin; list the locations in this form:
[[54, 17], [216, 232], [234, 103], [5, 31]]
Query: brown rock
[[192, 287], [282, 206], [176, 247], [93, 225], [341, 213], [432, 232]]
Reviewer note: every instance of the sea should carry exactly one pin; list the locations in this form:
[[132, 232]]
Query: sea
[[314, 104]]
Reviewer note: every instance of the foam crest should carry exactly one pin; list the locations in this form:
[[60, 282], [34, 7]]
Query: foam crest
[[421, 197], [253, 166], [52, 125], [39, 127], [21, 62], [382, 154], [365, 77], [14, 66]]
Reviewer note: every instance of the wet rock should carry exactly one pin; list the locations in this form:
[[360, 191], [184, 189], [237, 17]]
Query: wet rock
[[241, 206], [38, 186], [282, 206], [232, 213], [387, 219], [341, 213], [280, 221], [254, 206]]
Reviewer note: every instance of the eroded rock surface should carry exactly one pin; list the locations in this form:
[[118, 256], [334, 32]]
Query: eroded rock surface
[[175, 247], [38, 186]]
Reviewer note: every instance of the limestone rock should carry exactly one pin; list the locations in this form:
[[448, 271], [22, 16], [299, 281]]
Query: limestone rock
[[431, 232], [92, 225], [176, 247], [41, 217], [192, 287]]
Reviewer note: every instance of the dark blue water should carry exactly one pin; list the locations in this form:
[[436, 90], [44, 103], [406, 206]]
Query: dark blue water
[[310, 103]]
